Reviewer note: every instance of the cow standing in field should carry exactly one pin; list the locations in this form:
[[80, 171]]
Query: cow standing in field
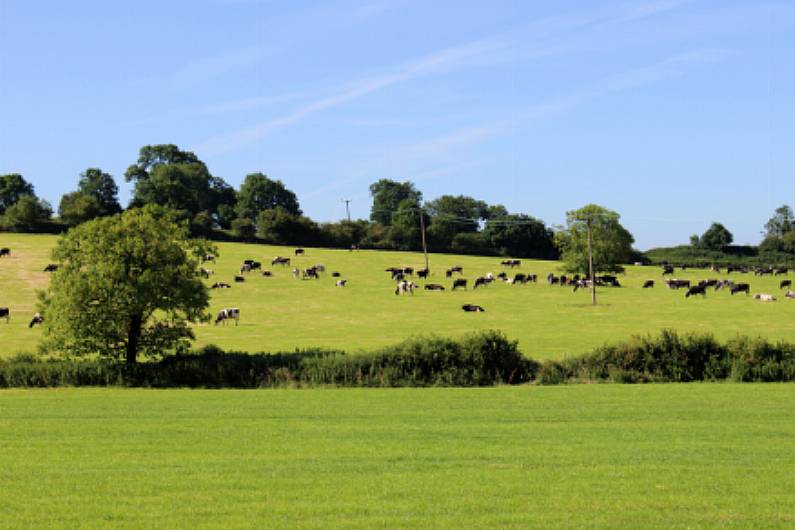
[[6, 314], [785, 283], [460, 282], [5, 251], [38, 318], [480, 282], [790, 294], [740, 288], [667, 270], [405, 287], [227, 314], [341, 283], [299, 252], [205, 273], [278, 260], [697, 289], [648, 284], [423, 273], [239, 279]]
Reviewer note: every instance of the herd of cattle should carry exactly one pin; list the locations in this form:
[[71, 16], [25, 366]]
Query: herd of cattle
[[403, 278]]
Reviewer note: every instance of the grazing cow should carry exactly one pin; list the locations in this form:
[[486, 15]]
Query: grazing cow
[[489, 276], [511, 263], [503, 276], [667, 270], [267, 274], [311, 272], [405, 287], [255, 266], [296, 273], [423, 273], [764, 297], [648, 284], [245, 268], [393, 270], [239, 279], [434, 287], [5, 251], [248, 262], [399, 277], [459, 282], [220, 285], [740, 288], [227, 314], [299, 252], [762, 271], [697, 289], [38, 318], [785, 283], [278, 260], [335, 274], [532, 278], [341, 283], [581, 284], [208, 257], [723, 283], [480, 281], [205, 273], [5, 313], [780, 271], [790, 294], [519, 278], [408, 271], [52, 267], [472, 308], [677, 284]]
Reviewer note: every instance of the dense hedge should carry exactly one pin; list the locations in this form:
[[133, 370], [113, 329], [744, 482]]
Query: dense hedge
[[669, 357], [731, 255], [481, 359]]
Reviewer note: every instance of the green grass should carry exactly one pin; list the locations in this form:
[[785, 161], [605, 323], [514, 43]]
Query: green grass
[[282, 313], [667, 456]]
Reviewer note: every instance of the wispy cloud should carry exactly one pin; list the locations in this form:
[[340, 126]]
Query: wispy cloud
[[480, 52], [216, 65]]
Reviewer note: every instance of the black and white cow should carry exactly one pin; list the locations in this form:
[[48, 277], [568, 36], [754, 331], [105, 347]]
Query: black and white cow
[[5, 313], [785, 283], [38, 318], [5, 251], [341, 283], [299, 252], [205, 273], [459, 282], [220, 285], [696, 289], [405, 287], [278, 260], [481, 281], [472, 308], [232, 313]]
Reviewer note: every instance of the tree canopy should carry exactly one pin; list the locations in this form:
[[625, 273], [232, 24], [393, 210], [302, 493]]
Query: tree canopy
[[100, 185], [611, 242], [716, 237], [388, 195], [12, 187], [27, 214], [127, 285], [259, 193]]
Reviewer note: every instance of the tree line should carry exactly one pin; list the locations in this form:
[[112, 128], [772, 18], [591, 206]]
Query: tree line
[[265, 209]]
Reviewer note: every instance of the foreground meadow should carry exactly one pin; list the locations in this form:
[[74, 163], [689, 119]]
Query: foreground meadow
[[668, 456], [282, 313]]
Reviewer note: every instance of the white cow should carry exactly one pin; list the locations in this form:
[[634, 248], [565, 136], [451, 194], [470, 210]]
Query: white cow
[[226, 314]]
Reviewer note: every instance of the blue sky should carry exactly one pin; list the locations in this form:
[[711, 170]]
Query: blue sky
[[674, 113]]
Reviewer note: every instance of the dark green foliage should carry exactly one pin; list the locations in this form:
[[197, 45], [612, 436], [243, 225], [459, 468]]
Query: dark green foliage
[[102, 188], [716, 237], [279, 226], [731, 255], [76, 208], [388, 195], [244, 228], [259, 193], [669, 357], [12, 187], [610, 241], [521, 236], [481, 359], [27, 214]]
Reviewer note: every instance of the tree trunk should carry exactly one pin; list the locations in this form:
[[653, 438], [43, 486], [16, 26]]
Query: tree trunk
[[133, 337]]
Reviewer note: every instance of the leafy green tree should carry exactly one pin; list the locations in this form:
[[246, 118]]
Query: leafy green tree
[[344, 233], [783, 221], [128, 285], [278, 225], [471, 243], [452, 215], [151, 156], [77, 207], [404, 231], [223, 199], [611, 242], [12, 187], [520, 235], [387, 198], [716, 237], [259, 193], [244, 228], [27, 214], [100, 185]]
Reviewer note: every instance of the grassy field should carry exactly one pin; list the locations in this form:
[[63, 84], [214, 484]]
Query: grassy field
[[667, 456], [281, 313]]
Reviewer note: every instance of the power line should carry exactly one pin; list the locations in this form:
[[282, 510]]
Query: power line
[[347, 208]]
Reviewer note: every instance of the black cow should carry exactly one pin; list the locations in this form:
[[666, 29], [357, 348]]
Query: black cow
[[667, 270], [299, 252], [472, 308], [648, 284], [460, 282], [278, 260], [433, 287], [502, 276], [267, 273], [785, 283], [220, 285], [519, 278], [311, 272], [248, 262], [740, 288], [239, 279], [677, 284], [335, 274], [782, 270], [532, 278], [480, 281], [38, 318], [408, 271], [511, 263], [5, 251], [5, 313], [696, 289], [52, 267], [423, 273], [256, 266]]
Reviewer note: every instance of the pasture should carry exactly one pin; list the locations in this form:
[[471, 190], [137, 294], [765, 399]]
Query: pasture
[[618, 456], [281, 313]]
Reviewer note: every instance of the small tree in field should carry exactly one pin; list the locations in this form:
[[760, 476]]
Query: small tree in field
[[611, 243], [128, 285]]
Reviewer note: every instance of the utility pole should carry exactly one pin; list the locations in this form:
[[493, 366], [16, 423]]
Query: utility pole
[[588, 222], [422, 229], [347, 208]]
